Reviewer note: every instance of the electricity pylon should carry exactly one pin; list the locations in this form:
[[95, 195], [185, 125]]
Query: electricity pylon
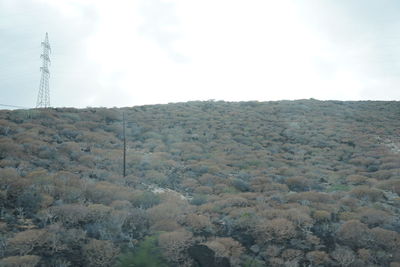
[[43, 100]]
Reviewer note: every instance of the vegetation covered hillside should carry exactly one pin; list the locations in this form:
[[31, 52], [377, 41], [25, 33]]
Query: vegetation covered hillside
[[289, 183]]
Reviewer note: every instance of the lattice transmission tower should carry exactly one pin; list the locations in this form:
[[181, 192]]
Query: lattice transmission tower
[[43, 100]]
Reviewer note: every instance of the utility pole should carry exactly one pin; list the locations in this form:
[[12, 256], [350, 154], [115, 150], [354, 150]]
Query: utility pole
[[43, 100], [124, 136]]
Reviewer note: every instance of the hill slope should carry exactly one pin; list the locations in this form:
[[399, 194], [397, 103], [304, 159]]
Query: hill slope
[[249, 184]]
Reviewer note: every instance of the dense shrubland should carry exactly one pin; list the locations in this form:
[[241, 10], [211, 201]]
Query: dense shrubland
[[290, 183]]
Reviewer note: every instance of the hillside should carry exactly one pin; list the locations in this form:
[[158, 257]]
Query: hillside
[[287, 183]]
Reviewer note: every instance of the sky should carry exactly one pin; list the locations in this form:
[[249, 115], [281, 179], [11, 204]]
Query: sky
[[137, 52]]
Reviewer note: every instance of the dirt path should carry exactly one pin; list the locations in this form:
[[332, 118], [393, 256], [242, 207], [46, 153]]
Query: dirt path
[[158, 190]]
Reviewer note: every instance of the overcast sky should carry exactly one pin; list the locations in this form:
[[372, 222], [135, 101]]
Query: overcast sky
[[135, 52]]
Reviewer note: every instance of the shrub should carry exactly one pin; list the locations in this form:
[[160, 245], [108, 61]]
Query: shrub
[[174, 246], [386, 239], [146, 200], [7, 175], [338, 187], [299, 217], [343, 255], [209, 180], [203, 190], [374, 217], [292, 254], [105, 193], [356, 179], [156, 177], [98, 212], [298, 183], [233, 201], [25, 242], [241, 185], [355, 234], [258, 183], [321, 216], [189, 184], [69, 132], [227, 247], [20, 261], [347, 216], [198, 223], [275, 262], [279, 229], [71, 149], [121, 205], [366, 193], [366, 255], [349, 203], [99, 253], [71, 214], [311, 196], [30, 201], [384, 174], [390, 185], [273, 251], [9, 148], [318, 257], [198, 200], [165, 215], [136, 224], [147, 253]]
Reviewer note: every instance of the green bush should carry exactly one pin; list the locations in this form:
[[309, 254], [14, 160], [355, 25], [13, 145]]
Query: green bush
[[147, 254], [198, 200], [338, 187], [147, 200], [241, 185]]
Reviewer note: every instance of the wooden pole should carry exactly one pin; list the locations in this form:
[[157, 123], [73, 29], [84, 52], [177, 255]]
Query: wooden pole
[[123, 131]]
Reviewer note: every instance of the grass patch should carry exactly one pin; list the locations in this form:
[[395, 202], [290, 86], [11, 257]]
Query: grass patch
[[338, 187]]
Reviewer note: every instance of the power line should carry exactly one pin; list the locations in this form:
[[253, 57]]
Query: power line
[[13, 106]]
